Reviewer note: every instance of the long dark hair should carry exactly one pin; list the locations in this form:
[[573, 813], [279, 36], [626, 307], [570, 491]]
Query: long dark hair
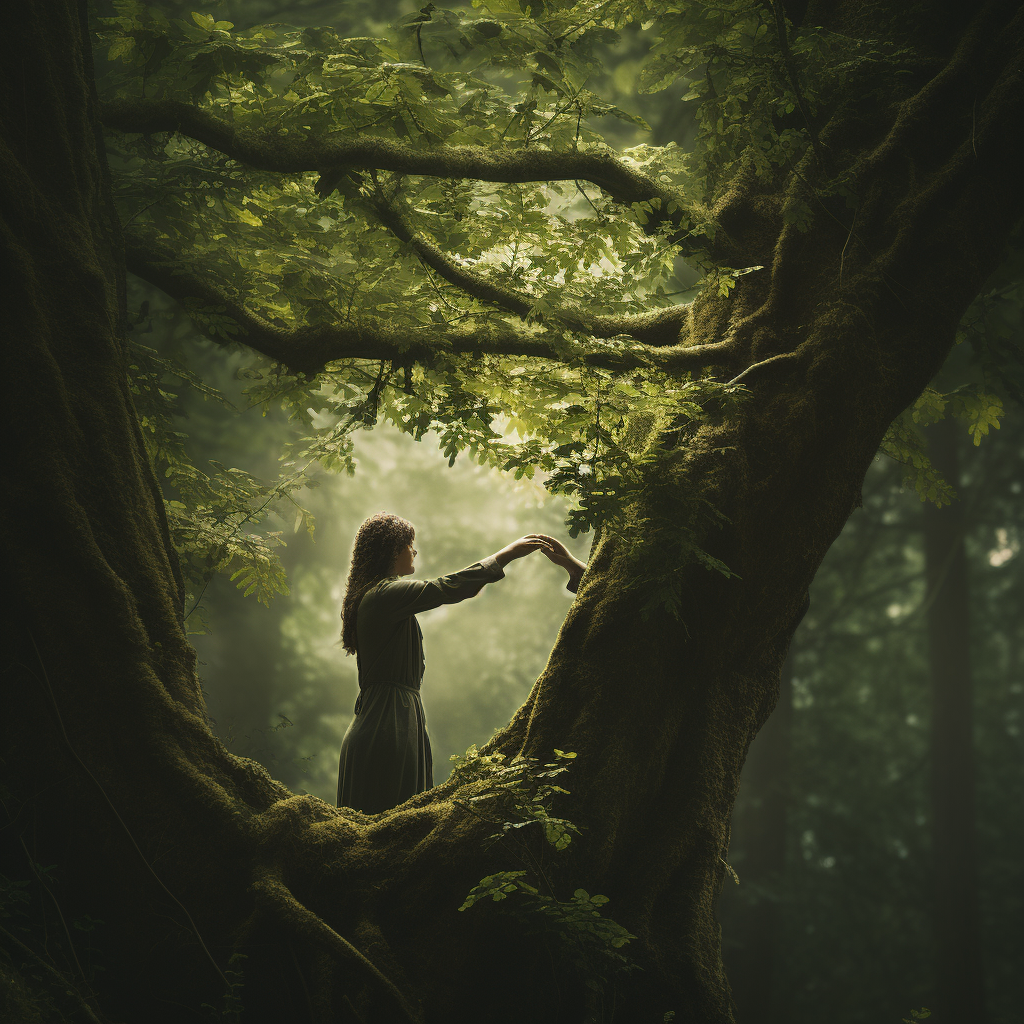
[[377, 544]]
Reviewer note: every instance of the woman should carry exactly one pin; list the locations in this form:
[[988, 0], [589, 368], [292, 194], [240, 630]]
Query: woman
[[385, 755]]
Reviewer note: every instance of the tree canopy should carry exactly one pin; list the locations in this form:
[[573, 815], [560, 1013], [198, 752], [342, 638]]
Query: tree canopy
[[431, 225]]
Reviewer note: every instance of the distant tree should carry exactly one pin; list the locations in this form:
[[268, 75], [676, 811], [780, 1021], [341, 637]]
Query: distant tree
[[960, 980], [431, 229]]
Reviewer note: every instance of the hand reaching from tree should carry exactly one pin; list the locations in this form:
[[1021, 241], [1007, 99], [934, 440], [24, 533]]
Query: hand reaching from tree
[[559, 554]]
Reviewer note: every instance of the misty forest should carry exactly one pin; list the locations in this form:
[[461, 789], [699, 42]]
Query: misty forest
[[726, 296]]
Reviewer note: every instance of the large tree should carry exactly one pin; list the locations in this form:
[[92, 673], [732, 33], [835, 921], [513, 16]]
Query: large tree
[[410, 214]]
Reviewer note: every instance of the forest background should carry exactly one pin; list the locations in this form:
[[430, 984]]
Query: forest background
[[832, 918], [832, 914]]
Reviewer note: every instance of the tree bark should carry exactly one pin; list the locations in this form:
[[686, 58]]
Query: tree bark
[[187, 853], [959, 977]]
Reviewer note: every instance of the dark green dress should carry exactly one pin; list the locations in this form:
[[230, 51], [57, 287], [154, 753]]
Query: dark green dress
[[385, 755]]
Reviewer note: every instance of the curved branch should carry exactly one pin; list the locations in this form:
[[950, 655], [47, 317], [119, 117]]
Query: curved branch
[[308, 350], [780, 357], [291, 152], [659, 327]]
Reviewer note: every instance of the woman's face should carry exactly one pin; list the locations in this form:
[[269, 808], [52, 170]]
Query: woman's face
[[404, 560]]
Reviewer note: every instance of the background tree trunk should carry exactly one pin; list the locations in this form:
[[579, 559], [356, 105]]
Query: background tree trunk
[[960, 983], [761, 831]]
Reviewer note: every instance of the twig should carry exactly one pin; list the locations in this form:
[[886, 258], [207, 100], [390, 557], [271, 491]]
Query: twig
[[842, 255], [778, 358]]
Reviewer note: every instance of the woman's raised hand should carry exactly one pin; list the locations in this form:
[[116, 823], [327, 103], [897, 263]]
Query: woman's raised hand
[[521, 547], [554, 549], [559, 554]]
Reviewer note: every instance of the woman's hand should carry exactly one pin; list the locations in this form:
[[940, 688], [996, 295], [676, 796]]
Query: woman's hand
[[559, 554], [555, 550], [520, 548]]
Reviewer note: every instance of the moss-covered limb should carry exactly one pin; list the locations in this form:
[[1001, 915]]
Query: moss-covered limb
[[975, 79], [292, 153], [659, 327], [308, 349]]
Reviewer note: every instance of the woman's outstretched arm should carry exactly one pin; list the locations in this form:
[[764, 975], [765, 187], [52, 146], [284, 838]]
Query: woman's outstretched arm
[[401, 598]]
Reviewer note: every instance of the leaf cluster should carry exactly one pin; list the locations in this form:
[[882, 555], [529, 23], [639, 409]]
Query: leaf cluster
[[214, 513], [516, 795], [989, 338]]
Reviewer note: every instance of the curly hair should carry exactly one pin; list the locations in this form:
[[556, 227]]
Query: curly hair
[[377, 544]]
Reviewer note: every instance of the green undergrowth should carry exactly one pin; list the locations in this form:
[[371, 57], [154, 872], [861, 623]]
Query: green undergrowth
[[516, 795]]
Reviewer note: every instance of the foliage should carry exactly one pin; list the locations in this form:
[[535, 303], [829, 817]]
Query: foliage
[[516, 794], [502, 74], [212, 516], [972, 404], [990, 351], [851, 906]]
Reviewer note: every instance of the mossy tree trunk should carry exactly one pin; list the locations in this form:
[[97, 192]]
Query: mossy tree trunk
[[111, 769]]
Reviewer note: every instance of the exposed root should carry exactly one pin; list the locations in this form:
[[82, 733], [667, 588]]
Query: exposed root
[[272, 893]]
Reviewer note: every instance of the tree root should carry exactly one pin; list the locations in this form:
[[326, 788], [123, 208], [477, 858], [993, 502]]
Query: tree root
[[275, 896]]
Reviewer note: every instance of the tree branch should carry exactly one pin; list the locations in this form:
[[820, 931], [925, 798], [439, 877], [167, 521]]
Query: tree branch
[[292, 152], [659, 327], [309, 349]]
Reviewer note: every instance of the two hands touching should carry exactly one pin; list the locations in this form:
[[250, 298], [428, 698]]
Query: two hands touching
[[554, 549]]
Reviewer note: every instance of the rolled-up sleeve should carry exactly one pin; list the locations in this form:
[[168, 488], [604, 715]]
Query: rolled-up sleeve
[[399, 599], [573, 585]]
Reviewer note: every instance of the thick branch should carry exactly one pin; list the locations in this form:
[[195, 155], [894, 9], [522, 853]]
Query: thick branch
[[658, 328], [308, 349], [292, 152]]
